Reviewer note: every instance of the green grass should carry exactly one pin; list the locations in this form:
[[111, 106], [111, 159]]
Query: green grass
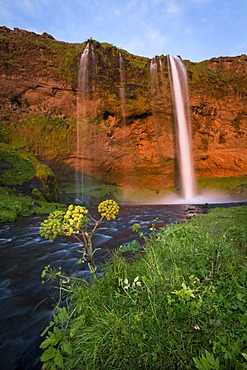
[[180, 304]]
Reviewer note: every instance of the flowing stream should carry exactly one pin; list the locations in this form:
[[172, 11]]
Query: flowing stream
[[25, 303]]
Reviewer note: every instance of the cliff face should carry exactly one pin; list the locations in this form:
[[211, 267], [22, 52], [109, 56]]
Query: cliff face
[[218, 103], [129, 137]]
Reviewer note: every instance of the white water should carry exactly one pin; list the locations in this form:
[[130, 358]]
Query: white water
[[85, 102], [178, 76], [154, 78], [82, 92]]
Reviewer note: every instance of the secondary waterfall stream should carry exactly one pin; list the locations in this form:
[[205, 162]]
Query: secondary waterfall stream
[[82, 93], [85, 103]]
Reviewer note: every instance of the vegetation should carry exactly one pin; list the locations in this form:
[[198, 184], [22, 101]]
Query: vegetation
[[12, 206], [55, 58], [235, 186], [23, 166], [24, 135], [217, 78], [74, 223], [180, 305], [26, 185]]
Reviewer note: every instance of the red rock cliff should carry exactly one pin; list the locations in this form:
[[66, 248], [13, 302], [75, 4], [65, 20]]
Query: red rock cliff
[[132, 144]]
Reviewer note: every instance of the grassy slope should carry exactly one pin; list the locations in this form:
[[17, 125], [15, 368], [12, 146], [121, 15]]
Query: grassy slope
[[185, 295]]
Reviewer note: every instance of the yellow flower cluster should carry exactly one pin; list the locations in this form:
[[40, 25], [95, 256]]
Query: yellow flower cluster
[[73, 219], [64, 223], [53, 226], [108, 209]]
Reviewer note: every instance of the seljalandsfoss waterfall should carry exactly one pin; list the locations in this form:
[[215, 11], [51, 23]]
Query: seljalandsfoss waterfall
[[178, 76], [88, 146]]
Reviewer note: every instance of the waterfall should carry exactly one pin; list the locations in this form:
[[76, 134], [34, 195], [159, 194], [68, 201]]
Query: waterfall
[[154, 77], [122, 95], [87, 144], [84, 92], [178, 77]]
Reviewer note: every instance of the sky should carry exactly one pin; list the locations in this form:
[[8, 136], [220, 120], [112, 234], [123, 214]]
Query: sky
[[194, 29]]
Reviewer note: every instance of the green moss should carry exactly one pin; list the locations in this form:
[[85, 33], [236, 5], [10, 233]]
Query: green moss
[[56, 137], [23, 182], [205, 77], [5, 133], [230, 185], [24, 166], [57, 59], [44, 208], [13, 206], [99, 192]]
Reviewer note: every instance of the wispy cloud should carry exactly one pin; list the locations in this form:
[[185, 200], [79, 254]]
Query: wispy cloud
[[28, 6], [196, 29], [200, 1], [173, 7]]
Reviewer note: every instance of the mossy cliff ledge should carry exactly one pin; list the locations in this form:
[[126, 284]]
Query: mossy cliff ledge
[[26, 185], [130, 143]]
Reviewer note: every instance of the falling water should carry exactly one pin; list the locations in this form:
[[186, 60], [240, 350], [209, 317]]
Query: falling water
[[122, 95], [82, 92], [178, 76], [85, 103], [154, 77]]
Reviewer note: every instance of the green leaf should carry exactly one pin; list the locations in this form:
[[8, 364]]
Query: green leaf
[[241, 297], [212, 361], [66, 347], [51, 324], [198, 364], [47, 342], [58, 359], [202, 363], [244, 355], [62, 315], [48, 354], [205, 363]]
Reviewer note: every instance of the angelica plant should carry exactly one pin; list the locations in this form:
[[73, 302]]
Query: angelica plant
[[74, 223]]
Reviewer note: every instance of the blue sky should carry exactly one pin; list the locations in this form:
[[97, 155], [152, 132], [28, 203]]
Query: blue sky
[[195, 29]]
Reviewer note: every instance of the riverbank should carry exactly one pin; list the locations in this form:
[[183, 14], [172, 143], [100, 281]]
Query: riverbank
[[180, 305]]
